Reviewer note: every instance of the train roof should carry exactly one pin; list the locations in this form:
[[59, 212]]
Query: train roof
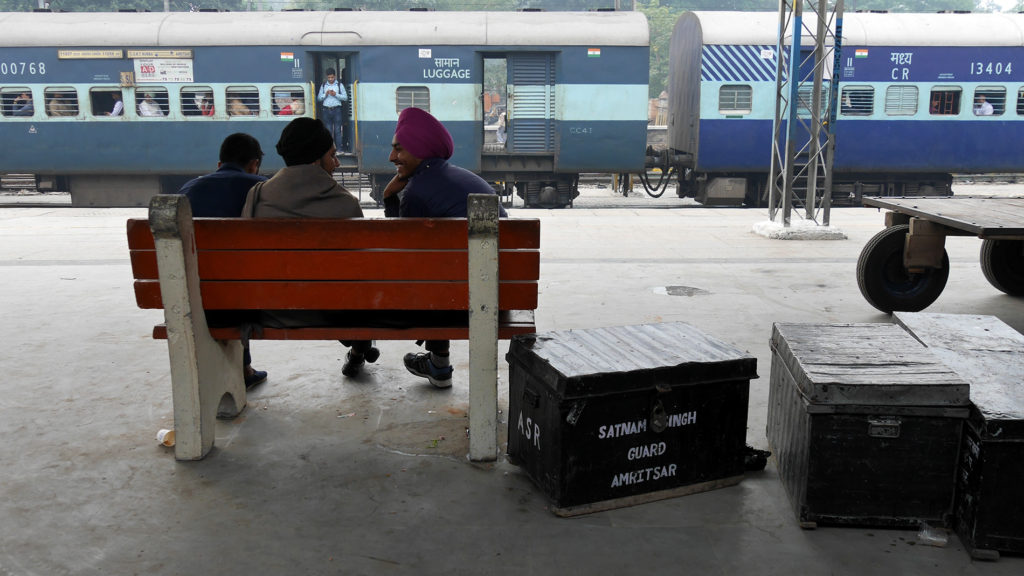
[[873, 29], [356, 28]]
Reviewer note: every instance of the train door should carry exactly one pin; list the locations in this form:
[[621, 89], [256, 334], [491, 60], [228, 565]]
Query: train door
[[340, 64], [531, 102], [495, 98]]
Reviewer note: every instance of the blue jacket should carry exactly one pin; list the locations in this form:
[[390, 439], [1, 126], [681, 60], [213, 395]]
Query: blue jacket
[[439, 189], [222, 193]]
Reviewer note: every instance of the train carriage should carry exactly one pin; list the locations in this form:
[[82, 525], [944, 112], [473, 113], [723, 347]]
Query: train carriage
[[574, 86], [906, 114]]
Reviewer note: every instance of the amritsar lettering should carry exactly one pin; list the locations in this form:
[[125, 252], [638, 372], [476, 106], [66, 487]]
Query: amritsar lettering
[[446, 68]]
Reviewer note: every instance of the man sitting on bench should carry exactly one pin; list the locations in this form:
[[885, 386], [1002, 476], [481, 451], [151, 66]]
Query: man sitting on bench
[[305, 188], [431, 187]]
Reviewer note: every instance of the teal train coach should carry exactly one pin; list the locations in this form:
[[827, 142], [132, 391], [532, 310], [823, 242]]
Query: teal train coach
[[572, 86]]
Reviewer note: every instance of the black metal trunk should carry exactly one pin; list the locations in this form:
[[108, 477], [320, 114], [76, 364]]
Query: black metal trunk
[[610, 417]]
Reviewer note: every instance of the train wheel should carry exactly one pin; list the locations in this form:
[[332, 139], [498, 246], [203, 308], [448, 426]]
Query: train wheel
[[1002, 261], [887, 285]]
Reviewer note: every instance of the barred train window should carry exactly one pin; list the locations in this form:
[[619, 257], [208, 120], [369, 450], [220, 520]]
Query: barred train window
[[804, 103], [857, 101], [735, 99], [61, 102], [106, 101], [288, 100], [17, 101], [944, 101], [901, 100], [1020, 102], [413, 97], [197, 101], [993, 96], [242, 101], [151, 101]]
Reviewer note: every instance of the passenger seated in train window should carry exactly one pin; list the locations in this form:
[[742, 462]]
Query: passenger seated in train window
[[118, 108], [237, 108], [296, 107], [149, 106], [982, 107], [61, 103], [22, 105], [945, 103], [203, 102]]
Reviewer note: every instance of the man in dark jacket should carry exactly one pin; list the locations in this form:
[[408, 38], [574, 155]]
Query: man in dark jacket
[[431, 187], [221, 195]]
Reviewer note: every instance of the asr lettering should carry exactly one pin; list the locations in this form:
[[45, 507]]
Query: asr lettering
[[529, 429]]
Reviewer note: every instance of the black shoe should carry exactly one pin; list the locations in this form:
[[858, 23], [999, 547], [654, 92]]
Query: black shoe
[[254, 377], [372, 354], [420, 365], [353, 364]]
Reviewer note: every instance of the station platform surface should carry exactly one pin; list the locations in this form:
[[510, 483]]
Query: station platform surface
[[327, 475]]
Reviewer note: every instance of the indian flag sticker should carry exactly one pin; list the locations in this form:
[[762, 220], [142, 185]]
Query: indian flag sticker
[[593, 52], [287, 56], [861, 53]]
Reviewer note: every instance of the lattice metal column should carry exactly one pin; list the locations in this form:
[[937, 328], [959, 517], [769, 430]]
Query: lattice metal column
[[805, 112]]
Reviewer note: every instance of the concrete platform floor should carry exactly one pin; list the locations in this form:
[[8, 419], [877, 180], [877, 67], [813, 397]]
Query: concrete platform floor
[[324, 475]]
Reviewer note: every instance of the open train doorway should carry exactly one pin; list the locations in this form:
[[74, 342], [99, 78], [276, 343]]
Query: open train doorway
[[333, 95], [495, 99]]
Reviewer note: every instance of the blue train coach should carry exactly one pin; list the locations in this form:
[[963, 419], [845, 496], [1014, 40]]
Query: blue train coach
[[921, 97], [119, 106]]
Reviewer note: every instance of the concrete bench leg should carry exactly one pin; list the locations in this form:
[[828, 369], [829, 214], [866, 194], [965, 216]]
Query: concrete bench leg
[[483, 326], [206, 374]]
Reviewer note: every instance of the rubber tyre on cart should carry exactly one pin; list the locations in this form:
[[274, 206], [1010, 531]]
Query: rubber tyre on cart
[[1002, 261], [887, 285]]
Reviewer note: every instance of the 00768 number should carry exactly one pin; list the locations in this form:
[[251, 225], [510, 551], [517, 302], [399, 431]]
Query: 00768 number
[[22, 68]]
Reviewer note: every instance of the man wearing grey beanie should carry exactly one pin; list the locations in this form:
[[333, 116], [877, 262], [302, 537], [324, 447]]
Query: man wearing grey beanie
[[305, 188]]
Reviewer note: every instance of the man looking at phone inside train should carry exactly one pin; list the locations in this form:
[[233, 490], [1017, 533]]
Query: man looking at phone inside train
[[431, 187], [221, 195], [333, 96]]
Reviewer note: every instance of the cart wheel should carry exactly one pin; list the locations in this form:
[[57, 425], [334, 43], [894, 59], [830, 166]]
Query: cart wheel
[[886, 284], [1002, 261]]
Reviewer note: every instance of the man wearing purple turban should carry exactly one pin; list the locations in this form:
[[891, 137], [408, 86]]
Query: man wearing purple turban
[[431, 187]]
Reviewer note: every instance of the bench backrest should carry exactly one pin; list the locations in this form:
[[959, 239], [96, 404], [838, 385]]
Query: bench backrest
[[354, 264]]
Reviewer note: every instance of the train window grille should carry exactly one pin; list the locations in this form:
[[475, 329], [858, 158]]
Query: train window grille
[[242, 100], [858, 101], [288, 100], [944, 101], [61, 102], [901, 100], [994, 95], [197, 101], [733, 99], [106, 101], [412, 97], [152, 101], [13, 102], [804, 103], [1020, 102]]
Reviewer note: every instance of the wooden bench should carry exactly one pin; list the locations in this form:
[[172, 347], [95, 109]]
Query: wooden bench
[[484, 266]]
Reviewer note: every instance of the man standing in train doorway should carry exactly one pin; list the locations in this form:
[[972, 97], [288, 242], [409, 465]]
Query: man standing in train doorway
[[333, 96]]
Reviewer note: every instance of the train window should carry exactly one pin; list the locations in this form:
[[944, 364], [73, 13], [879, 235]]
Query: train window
[[61, 102], [735, 99], [152, 101], [901, 100], [858, 101], [243, 101], [1020, 102], [944, 101], [804, 97], [289, 100], [989, 101], [106, 102], [17, 101], [412, 97], [197, 101]]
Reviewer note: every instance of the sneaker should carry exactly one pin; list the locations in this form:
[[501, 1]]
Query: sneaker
[[420, 365], [253, 377], [353, 364]]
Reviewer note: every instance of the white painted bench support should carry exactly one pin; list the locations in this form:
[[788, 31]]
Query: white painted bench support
[[483, 326], [206, 374]]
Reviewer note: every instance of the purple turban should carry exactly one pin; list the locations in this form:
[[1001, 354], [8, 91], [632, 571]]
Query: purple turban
[[422, 135]]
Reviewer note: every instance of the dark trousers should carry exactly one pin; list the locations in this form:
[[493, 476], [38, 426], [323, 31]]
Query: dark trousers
[[332, 119]]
